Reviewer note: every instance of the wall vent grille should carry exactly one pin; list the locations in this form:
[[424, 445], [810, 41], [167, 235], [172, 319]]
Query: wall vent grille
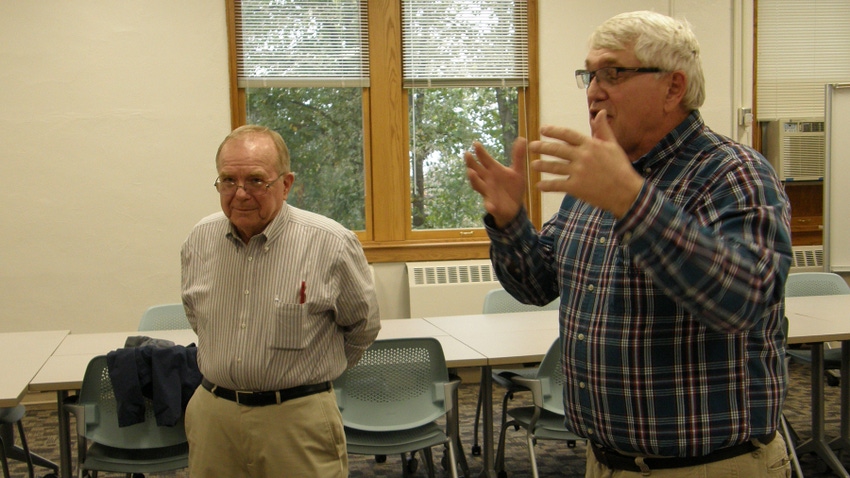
[[807, 258]]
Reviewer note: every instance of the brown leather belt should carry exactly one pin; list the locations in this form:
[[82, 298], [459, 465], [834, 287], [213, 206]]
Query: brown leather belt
[[618, 461], [261, 399]]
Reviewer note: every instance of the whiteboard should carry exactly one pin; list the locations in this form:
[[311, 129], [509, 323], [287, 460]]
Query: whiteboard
[[836, 215]]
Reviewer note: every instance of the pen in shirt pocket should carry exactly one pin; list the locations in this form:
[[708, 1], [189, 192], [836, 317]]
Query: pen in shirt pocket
[[302, 293]]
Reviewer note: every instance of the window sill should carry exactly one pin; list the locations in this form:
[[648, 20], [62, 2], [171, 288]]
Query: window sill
[[426, 251]]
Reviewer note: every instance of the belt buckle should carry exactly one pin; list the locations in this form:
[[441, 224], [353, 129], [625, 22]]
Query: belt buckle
[[239, 392]]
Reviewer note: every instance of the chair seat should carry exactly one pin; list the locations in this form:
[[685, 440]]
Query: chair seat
[[150, 460], [831, 357], [550, 426], [503, 377], [393, 442], [11, 415]]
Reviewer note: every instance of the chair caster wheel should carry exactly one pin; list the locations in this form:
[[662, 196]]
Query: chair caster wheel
[[503, 474], [412, 465], [380, 458], [476, 450]]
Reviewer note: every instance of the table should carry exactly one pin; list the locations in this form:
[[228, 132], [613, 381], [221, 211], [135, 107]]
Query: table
[[510, 338], [64, 371], [816, 320], [24, 354]]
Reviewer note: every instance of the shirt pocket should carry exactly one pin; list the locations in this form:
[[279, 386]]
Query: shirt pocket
[[289, 328]]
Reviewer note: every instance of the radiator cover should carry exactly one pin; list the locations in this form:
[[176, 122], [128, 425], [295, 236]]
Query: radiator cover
[[449, 287]]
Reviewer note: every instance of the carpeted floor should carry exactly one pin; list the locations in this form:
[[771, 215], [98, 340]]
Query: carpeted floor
[[555, 459]]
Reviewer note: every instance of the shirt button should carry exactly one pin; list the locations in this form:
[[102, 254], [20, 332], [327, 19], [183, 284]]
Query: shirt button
[[244, 325], [591, 288], [647, 170], [581, 336], [247, 291], [250, 258], [238, 359], [581, 385], [602, 240], [590, 431], [627, 237]]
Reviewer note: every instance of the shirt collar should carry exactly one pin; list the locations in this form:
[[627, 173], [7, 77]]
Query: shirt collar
[[674, 141], [271, 232]]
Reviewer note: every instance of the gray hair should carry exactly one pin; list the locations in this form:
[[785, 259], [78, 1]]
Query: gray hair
[[658, 41], [283, 165]]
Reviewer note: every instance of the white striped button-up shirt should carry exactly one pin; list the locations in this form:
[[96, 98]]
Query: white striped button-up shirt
[[296, 305]]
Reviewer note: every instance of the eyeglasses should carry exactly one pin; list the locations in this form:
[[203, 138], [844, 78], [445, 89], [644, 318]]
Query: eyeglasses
[[252, 186], [610, 75]]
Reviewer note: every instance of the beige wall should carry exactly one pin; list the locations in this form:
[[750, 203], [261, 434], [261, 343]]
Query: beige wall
[[112, 112]]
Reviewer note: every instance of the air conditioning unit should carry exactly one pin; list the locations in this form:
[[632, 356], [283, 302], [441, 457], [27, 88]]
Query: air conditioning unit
[[796, 148]]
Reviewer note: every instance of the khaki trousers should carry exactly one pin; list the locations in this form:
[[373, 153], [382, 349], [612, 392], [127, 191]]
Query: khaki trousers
[[769, 460], [303, 437]]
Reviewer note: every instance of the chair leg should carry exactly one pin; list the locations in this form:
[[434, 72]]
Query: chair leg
[[500, 449], [476, 448], [3, 462], [429, 461], [26, 449], [20, 453], [792, 451], [531, 455]]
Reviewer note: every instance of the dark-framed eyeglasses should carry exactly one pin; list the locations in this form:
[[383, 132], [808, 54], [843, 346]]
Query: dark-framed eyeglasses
[[610, 75], [252, 186]]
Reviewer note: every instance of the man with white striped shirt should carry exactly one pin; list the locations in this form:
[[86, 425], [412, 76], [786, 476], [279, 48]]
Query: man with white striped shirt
[[283, 302]]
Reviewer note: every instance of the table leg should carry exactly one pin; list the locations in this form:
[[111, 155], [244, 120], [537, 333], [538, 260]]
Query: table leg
[[842, 443], [64, 435], [487, 421], [818, 444]]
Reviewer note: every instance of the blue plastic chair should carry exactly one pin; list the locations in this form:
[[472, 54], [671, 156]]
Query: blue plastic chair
[[544, 420], [391, 399], [104, 446], [164, 317], [499, 301]]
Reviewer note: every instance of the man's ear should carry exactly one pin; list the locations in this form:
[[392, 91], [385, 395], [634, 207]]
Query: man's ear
[[676, 88]]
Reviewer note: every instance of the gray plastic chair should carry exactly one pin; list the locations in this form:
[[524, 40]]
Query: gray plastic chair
[[11, 417], [140, 448], [499, 301], [391, 399], [544, 420], [817, 283], [164, 317]]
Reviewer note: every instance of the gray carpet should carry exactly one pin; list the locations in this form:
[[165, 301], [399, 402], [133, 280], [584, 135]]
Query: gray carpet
[[554, 459]]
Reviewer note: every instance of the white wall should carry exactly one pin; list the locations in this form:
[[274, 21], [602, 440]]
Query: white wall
[[112, 112]]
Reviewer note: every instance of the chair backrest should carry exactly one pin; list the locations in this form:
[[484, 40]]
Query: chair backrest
[[398, 384], [815, 283], [500, 301], [551, 375], [101, 415], [164, 317]]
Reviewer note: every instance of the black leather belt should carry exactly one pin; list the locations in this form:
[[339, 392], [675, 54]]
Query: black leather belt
[[260, 399], [618, 461]]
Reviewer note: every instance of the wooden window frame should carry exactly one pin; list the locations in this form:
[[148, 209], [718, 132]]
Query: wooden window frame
[[388, 236]]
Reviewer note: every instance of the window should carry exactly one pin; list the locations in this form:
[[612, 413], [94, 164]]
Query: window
[[801, 47], [377, 136]]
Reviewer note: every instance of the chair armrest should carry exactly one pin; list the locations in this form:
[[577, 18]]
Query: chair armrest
[[84, 414], [450, 393], [534, 385]]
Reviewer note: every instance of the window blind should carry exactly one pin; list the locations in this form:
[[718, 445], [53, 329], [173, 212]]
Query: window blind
[[802, 46], [450, 43], [302, 43]]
